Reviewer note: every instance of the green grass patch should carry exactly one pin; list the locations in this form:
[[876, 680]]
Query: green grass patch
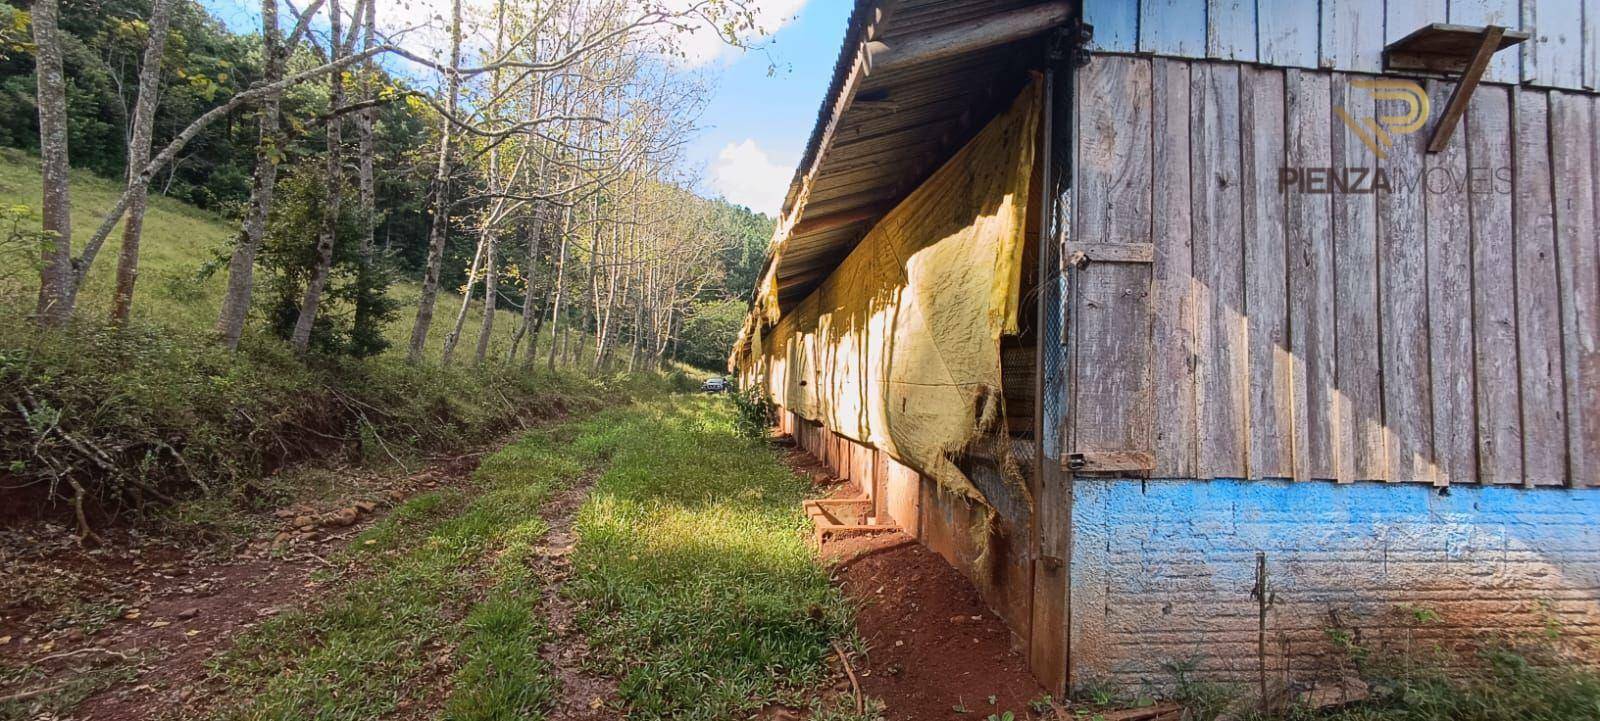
[[450, 591], [1509, 679], [701, 593]]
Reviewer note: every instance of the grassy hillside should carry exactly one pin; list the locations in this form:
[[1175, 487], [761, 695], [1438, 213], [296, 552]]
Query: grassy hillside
[[118, 417], [179, 242]]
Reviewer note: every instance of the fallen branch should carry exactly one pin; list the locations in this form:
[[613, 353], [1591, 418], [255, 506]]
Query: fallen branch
[[89, 649], [855, 683], [25, 695], [383, 445]]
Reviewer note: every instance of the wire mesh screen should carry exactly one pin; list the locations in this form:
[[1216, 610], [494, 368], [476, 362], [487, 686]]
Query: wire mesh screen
[[1053, 361]]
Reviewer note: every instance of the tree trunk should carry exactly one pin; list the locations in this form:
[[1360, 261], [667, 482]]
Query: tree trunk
[[242, 265], [365, 184], [602, 338], [334, 173], [144, 119], [537, 330], [454, 335], [55, 273], [440, 228], [555, 298], [535, 242], [490, 281]]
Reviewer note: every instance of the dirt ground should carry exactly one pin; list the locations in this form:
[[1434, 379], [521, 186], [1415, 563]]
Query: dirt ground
[[585, 694], [935, 650], [161, 609], [158, 611]]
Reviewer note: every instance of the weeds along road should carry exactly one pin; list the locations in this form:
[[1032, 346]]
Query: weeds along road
[[642, 562]]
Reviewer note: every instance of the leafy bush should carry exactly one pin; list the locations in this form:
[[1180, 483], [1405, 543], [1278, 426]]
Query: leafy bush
[[755, 412], [709, 332], [19, 250], [356, 302]]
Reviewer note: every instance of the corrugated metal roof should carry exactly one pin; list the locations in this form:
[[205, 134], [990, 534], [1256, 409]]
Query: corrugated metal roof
[[880, 134]]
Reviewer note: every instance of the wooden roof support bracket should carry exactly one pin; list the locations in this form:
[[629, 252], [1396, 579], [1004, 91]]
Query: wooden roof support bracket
[[987, 32], [1462, 94]]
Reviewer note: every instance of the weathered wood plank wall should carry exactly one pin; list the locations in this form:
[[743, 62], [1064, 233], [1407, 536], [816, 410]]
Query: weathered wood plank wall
[[1351, 34], [1446, 331]]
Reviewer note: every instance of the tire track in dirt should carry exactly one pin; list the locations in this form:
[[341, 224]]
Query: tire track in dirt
[[189, 607], [583, 695]]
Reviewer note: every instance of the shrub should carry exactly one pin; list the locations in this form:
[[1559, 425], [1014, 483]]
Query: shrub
[[754, 412]]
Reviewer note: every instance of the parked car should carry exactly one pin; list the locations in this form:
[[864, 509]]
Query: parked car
[[714, 385]]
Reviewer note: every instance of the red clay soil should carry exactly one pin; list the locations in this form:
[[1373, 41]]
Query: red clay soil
[[935, 650], [178, 608]]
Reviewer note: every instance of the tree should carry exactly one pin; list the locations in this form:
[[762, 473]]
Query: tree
[[440, 224], [241, 266], [554, 166], [144, 119], [338, 47], [709, 332], [55, 273]]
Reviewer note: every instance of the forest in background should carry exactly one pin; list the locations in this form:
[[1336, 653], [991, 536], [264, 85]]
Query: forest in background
[[203, 66], [402, 243]]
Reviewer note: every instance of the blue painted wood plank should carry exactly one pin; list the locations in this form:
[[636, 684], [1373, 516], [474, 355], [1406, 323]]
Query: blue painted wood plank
[[1352, 35], [1288, 32], [1505, 13], [1591, 46], [1116, 24], [1553, 57], [1173, 27], [1231, 29], [1403, 17]]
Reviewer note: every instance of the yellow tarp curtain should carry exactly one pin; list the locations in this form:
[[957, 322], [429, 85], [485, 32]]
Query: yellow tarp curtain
[[900, 347]]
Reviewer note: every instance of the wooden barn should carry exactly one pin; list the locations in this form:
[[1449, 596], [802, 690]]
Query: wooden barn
[[1187, 328]]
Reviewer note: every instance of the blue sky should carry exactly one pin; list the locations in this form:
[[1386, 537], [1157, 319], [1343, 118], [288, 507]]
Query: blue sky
[[764, 101], [757, 125]]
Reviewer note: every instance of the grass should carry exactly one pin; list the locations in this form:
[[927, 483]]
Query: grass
[[1499, 677], [171, 414], [700, 590], [179, 242], [448, 591], [701, 594], [1507, 679]]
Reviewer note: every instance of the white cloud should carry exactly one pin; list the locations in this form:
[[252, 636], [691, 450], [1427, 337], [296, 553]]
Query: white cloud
[[746, 175], [422, 26], [704, 45]]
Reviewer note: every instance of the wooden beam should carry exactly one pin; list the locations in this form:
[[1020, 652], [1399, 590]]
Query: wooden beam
[[835, 221], [985, 33], [1110, 462], [1462, 95], [795, 200], [1114, 252]]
